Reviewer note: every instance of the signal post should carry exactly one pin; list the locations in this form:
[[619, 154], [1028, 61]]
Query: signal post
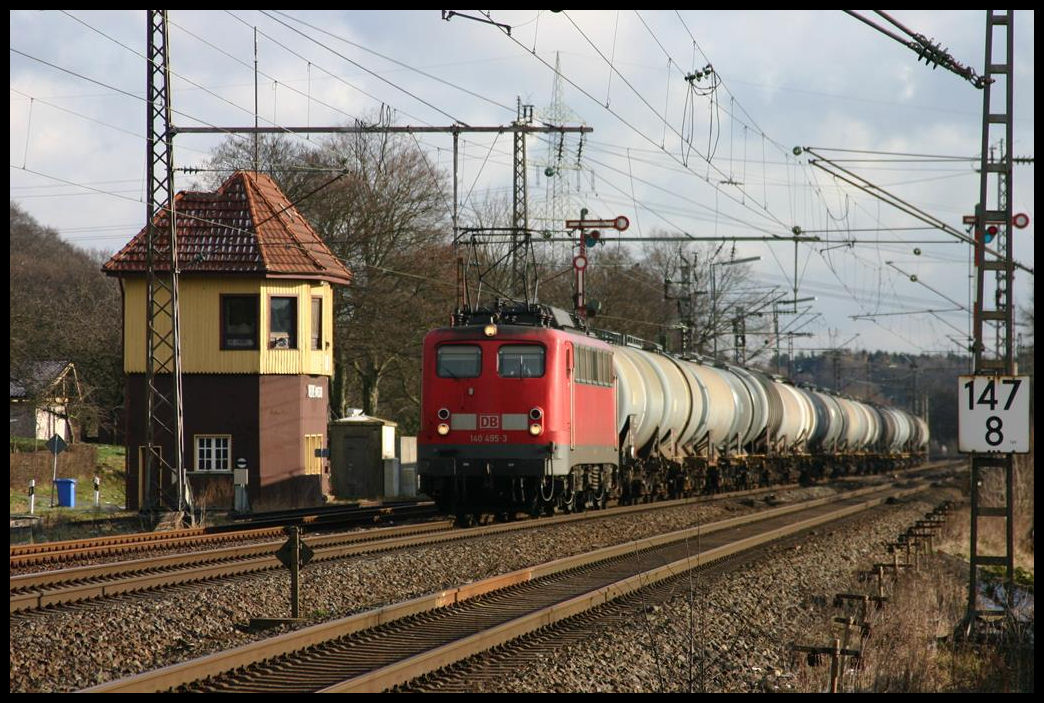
[[588, 238], [993, 403]]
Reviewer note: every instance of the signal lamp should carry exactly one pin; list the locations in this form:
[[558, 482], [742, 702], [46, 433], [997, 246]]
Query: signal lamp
[[536, 414], [443, 413], [991, 232], [443, 429]]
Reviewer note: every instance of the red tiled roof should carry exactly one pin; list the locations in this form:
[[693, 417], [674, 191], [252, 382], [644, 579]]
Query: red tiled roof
[[247, 227]]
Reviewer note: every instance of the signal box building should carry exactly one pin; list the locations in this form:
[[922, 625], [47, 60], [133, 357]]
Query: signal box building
[[256, 320]]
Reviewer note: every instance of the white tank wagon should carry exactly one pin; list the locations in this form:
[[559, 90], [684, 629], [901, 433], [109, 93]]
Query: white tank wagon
[[855, 425], [724, 416], [695, 424], [919, 442], [773, 408], [799, 419], [658, 406], [872, 438], [897, 429], [830, 422], [636, 384], [759, 410]]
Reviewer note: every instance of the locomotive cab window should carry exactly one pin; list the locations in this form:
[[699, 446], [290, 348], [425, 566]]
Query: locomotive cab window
[[458, 361], [520, 361]]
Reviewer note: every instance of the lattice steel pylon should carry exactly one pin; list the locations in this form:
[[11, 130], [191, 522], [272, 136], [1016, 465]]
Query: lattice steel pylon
[[165, 484], [521, 244], [993, 346], [560, 197]]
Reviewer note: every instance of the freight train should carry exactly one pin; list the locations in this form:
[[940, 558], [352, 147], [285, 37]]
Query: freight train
[[525, 410]]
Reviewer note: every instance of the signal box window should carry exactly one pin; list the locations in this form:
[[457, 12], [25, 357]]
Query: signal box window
[[521, 361], [213, 453], [239, 315], [458, 361], [317, 323], [282, 323]]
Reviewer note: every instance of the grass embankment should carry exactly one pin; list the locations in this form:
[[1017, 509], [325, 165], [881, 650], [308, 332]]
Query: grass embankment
[[81, 462], [916, 643]]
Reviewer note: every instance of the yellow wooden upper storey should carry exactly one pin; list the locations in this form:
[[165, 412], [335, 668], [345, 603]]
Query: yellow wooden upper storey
[[201, 326]]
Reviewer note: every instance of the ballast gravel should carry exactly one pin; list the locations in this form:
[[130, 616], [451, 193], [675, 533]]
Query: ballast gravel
[[745, 619]]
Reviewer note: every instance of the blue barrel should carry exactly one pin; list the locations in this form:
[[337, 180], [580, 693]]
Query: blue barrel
[[66, 492]]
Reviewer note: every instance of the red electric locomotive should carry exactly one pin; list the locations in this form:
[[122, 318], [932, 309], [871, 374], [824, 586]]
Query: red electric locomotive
[[501, 394]]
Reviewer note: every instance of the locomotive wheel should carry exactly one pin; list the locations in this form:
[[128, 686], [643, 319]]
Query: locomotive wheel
[[534, 505]]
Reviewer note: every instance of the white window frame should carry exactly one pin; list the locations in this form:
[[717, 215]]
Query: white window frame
[[213, 453]]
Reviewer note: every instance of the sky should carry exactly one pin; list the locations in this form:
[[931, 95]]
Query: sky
[[687, 154]]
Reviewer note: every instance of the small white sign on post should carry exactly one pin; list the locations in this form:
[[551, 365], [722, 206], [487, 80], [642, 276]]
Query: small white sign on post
[[993, 414]]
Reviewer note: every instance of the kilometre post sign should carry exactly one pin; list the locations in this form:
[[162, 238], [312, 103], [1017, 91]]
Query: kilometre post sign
[[993, 414]]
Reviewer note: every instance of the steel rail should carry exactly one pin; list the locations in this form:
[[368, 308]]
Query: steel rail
[[182, 674], [52, 588]]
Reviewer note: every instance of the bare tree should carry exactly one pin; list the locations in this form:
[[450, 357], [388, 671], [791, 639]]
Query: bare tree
[[381, 207], [62, 308]]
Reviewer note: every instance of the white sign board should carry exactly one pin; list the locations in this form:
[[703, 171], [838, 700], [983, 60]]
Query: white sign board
[[993, 414]]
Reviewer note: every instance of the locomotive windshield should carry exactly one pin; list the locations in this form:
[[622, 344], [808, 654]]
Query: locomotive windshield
[[459, 361], [521, 361]]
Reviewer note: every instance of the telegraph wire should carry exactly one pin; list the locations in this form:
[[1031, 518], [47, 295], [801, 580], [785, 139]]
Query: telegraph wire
[[633, 128], [372, 73]]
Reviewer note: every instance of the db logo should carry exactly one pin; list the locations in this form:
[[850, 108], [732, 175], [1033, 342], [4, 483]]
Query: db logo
[[489, 422]]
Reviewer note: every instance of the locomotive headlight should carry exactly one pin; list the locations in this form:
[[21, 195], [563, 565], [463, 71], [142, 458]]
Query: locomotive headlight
[[443, 429], [535, 429], [490, 330], [443, 413]]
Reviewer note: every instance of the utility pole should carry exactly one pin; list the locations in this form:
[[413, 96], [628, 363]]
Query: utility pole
[[686, 300], [557, 167], [739, 334], [714, 294], [165, 486], [776, 312], [996, 368], [519, 220]]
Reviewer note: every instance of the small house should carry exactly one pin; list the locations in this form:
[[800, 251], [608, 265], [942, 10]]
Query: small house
[[41, 395]]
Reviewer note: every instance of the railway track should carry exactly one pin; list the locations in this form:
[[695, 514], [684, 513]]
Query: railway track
[[264, 526], [267, 526], [390, 646], [44, 589], [35, 591]]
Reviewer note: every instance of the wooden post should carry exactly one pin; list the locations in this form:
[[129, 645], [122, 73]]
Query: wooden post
[[295, 571]]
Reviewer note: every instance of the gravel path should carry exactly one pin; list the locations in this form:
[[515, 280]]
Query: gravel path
[[747, 615]]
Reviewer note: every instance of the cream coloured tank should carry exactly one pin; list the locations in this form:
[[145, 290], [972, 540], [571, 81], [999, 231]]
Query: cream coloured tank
[[798, 418]]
